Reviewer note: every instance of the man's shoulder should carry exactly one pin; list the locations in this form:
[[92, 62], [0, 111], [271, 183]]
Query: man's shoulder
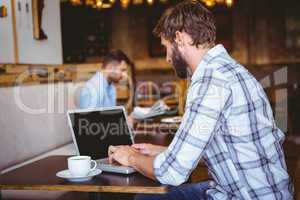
[[222, 70], [96, 78], [229, 69]]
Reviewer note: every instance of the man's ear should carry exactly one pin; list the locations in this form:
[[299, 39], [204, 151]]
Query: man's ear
[[179, 38]]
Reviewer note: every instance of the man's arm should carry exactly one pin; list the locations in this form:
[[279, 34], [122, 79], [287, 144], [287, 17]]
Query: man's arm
[[206, 106], [200, 122], [88, 97], [149, 149], [139, 156], [129, 156], [143, 164], [93, 91]]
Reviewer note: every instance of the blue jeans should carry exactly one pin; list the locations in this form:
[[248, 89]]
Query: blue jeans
[[184, 192]]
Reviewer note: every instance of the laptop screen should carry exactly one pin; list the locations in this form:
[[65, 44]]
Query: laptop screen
[[95, 130]]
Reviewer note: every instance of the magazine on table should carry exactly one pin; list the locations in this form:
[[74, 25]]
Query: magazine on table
[[158, 108]]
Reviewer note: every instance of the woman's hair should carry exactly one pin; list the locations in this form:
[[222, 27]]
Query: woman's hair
[[190, 17]]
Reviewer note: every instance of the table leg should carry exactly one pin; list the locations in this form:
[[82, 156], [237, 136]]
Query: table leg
[[0, 195]]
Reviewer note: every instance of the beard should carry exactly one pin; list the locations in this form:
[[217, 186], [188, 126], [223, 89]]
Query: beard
[[179, 63]]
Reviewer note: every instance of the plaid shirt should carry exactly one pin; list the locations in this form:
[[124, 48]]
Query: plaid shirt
[[229, 124]]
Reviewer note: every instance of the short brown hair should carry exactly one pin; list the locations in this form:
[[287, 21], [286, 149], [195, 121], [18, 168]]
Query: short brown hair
[[190, 17], [115, 55]]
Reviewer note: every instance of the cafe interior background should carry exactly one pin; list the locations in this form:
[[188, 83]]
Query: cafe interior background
[[49, 48]]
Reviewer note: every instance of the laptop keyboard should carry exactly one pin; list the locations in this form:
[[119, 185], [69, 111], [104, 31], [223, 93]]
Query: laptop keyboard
[[104, 165]]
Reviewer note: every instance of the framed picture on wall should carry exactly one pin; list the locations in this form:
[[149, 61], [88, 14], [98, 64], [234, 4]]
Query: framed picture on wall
[[37, 17]]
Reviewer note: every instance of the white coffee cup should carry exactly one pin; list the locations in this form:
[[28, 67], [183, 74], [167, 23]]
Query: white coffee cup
[[80, 166]]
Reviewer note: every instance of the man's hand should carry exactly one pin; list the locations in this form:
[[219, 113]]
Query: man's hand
[[131, 157], [121, 154], [149, 149], [131, 121]]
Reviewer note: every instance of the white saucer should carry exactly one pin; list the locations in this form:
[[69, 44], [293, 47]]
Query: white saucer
[[67, 175]]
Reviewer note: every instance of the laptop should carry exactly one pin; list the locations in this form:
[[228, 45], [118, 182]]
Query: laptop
[[94, 130]]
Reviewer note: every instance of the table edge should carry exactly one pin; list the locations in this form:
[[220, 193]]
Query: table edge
[[90, 188]]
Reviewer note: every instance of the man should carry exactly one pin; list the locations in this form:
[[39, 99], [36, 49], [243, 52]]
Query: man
[[100, 91], [228, 121]]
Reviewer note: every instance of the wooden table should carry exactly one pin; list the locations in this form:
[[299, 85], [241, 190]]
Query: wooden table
[[41, 175]]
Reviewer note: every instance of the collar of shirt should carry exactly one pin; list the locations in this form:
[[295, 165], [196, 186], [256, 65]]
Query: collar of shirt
[[212, 53]]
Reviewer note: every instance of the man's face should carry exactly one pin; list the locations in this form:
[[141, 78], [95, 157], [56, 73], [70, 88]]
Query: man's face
[[175, 58], [115, 71]]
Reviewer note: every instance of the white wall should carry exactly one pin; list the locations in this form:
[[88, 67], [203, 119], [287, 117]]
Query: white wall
[[32, 51], [33, 120], [6, 36]]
